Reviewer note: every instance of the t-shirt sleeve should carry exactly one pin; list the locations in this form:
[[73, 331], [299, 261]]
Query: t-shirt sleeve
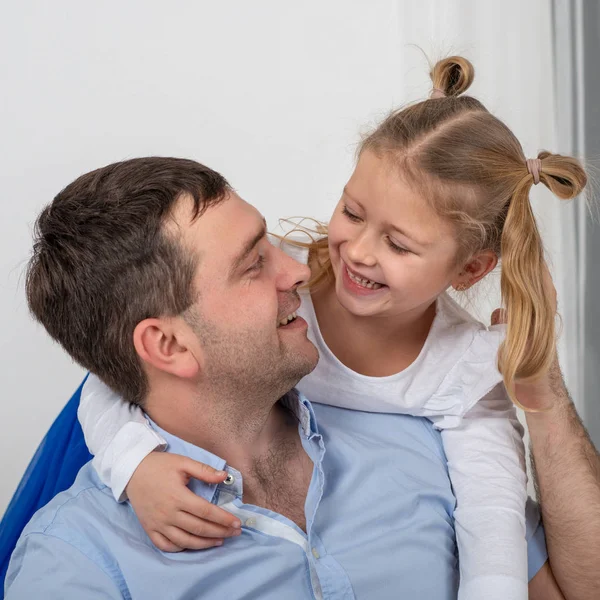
[[486, 463], [117, 433]]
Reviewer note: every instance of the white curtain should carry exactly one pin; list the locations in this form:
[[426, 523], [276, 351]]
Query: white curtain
[[569, 84], [577, 90]]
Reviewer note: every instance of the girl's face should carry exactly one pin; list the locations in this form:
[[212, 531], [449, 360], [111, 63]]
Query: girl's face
[[391, 253]]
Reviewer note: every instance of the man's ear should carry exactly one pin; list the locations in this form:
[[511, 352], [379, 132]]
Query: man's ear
[[477, 267], [166, 345]]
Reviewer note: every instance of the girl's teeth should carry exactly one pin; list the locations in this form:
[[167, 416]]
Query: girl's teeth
[[364, 282]]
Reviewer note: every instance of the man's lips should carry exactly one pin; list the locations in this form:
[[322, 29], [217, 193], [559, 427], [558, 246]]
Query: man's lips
[[292, 310]]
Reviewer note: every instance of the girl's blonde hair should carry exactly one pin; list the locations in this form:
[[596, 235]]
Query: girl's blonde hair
[[472, 170]]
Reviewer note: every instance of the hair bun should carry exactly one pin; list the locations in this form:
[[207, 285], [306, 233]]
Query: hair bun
[[564, 175], [453, 75]]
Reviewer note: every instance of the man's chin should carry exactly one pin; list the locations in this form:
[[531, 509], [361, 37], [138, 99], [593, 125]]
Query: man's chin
[[309, 351], [302, 360]]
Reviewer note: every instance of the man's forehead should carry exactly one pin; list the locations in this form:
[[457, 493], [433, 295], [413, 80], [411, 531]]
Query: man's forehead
[[223, 217], [233, 220], [225, 231]]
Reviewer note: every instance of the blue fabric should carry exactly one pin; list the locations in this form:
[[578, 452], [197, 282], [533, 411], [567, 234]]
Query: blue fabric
[[52, 470], [379, 524]]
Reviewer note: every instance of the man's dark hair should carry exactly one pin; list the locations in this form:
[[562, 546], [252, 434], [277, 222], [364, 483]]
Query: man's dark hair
[[103, 261]]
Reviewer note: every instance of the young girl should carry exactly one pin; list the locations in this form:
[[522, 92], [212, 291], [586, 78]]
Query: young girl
[[439, 194]]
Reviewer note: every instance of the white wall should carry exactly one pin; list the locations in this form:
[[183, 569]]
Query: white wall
[[271, 93]]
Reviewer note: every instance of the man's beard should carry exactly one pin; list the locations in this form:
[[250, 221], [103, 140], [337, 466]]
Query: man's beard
[[246, 364]]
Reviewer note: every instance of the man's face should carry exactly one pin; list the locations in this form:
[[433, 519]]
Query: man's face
[[246, 289]]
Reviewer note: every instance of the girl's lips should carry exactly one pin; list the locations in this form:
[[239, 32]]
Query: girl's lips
[[356, 288], [356, 275]]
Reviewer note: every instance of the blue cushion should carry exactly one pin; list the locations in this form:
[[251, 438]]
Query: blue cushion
[[53, 469]]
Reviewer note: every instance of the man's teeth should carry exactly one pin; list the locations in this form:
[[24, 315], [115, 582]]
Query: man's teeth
[[372, 285], [287, 319]]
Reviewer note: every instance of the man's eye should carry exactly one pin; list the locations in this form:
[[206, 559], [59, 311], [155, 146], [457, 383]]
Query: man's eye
[[258, 265], [350, 215]]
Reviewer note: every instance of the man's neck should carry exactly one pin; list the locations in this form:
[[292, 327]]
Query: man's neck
[[257, 437], [241, 429]]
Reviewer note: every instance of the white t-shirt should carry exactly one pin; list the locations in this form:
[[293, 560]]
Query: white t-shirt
[[454, 382]]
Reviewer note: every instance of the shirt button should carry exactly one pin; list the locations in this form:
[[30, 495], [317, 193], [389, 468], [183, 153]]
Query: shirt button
[[315, 553], [251, 522], [229, 480]]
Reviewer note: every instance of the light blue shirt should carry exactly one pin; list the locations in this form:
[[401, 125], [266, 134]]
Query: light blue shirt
[[378, 518]]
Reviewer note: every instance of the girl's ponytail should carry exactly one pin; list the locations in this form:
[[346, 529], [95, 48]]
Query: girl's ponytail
[[530, 343]]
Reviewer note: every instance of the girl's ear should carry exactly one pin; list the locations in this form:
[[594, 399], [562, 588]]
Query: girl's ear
[[477, 267]]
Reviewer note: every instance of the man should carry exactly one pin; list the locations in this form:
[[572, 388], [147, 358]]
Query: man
[[154, 274]]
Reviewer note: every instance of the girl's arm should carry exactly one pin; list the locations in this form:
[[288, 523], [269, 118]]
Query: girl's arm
[[122, 441], [117, 433], [486, 463]]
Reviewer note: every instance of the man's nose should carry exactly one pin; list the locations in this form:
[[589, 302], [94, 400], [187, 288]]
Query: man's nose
[[292, 274]]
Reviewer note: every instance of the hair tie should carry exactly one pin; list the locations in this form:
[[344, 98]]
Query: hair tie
[[534, 166], [437, 93]]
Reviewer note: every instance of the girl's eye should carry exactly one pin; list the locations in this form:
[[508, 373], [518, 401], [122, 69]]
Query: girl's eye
[[396, 248], [350, 215]]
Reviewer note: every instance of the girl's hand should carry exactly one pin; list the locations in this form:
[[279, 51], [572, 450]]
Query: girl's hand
[[173, 516]]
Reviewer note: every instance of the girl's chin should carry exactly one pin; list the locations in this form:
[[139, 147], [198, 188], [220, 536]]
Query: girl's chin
[[358, 306]]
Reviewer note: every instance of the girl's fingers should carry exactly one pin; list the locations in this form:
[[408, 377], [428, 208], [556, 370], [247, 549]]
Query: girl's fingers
[[204, 529], [162, 543], [186, 540], [499, 316], [201, 471], [201, 508]]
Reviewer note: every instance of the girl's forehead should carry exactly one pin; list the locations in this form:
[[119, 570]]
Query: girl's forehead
[[382, 176], [377, 186]]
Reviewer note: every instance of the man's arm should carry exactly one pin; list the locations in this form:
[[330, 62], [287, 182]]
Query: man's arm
[[44, 566], [567, 478], [543, 586]]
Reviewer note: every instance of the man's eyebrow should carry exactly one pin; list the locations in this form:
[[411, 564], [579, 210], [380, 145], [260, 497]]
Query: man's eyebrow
[[248, 247]]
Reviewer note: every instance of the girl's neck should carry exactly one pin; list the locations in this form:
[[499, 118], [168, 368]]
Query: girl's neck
[[375, 346]]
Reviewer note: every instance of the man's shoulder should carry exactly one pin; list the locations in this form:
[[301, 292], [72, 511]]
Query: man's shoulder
[[80, 524], [87, 501]]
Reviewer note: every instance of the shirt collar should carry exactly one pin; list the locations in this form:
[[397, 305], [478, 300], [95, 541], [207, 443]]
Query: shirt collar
[[302, 409]]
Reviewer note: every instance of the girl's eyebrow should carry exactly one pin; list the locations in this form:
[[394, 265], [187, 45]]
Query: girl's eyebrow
[[410, 237], [390, 225]]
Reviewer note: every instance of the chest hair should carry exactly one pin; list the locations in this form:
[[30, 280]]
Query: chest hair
[[279, 480]]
